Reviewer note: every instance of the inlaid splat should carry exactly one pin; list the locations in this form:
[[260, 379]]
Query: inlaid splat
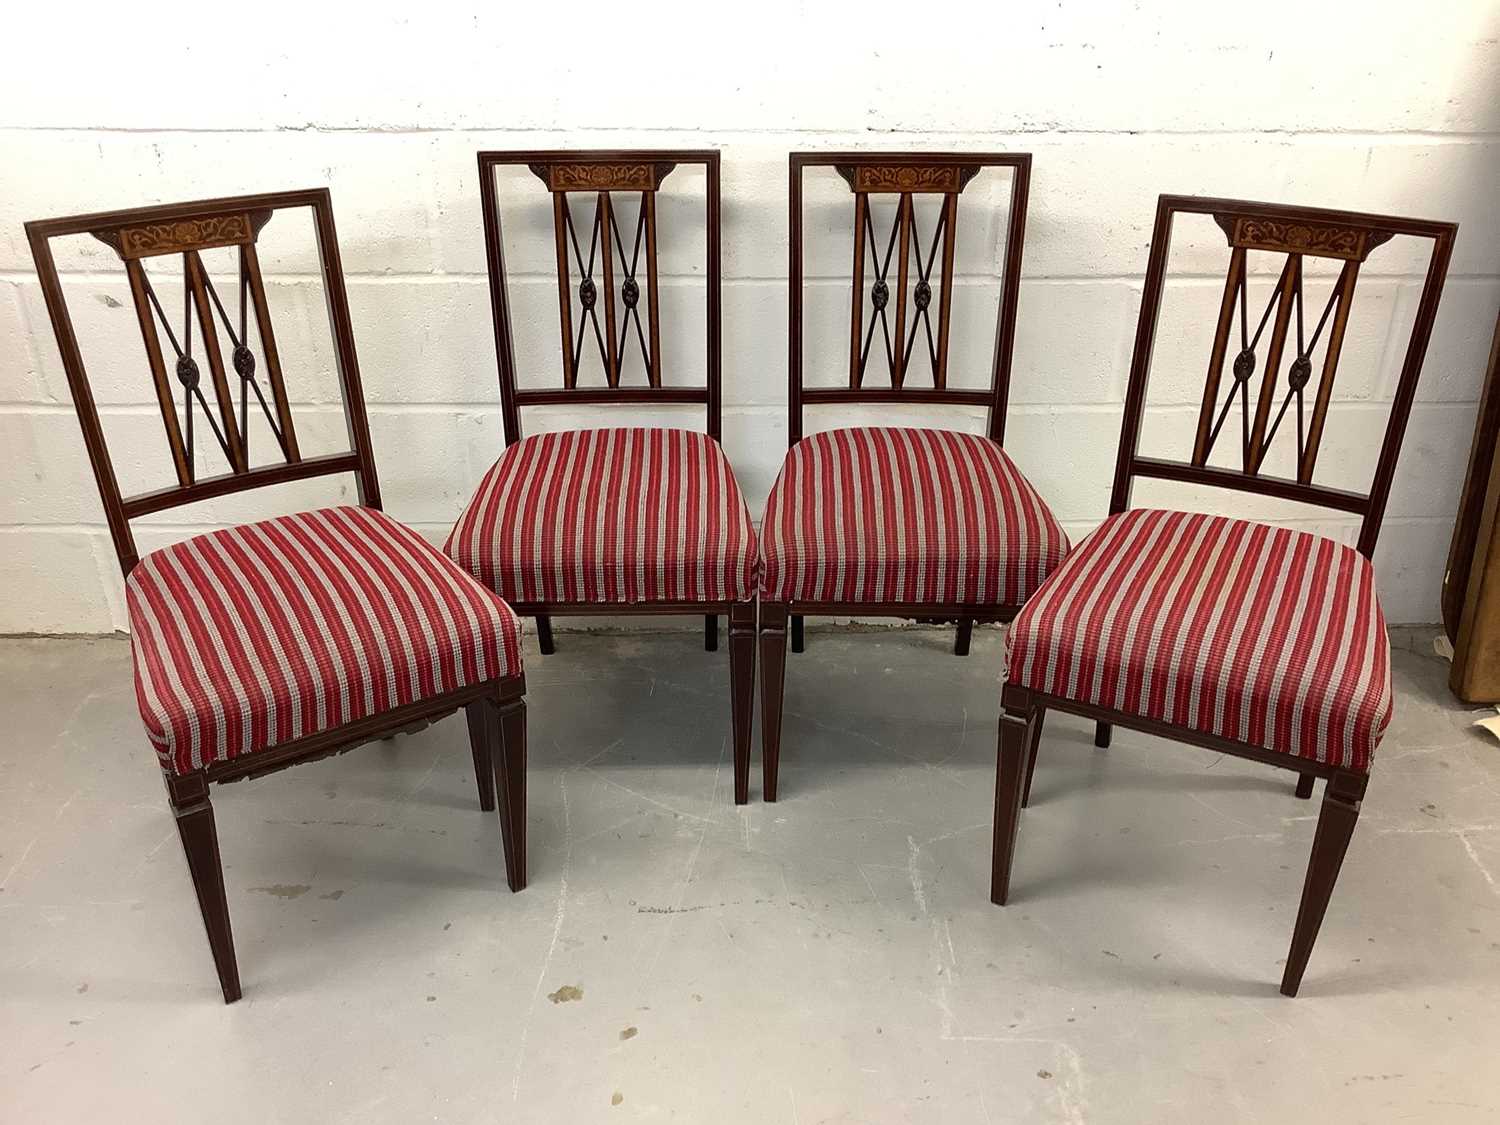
[[605, 234], [204, 316], [903, 279]]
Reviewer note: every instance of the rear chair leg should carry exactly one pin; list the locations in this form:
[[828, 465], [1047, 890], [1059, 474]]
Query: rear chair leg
[[799, 641], [711, 633], [965, 634], [1010, 774], [200, 844], [479, 746], [1031, 753], [507, 722], [772, 685], [544, 635], [741, 691], [1101, 735], [1341, 800], [1305, 786]]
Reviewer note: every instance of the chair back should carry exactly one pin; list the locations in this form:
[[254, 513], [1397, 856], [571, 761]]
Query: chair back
[[902, 293], [1260, 341], [607, 276], [188, 401]]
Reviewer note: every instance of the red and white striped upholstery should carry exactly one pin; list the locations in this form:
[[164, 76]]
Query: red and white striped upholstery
[[590, 517], [257, 635], [907, 516], [1259, 634]]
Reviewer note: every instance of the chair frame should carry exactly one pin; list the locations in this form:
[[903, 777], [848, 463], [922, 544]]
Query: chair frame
[[603, 172], [903, 174], [495, 709], [1297, 232]]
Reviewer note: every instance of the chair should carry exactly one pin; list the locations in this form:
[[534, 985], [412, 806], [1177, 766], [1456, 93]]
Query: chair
[[902, 522], [1237, 636], [272, 643], [613, 521]]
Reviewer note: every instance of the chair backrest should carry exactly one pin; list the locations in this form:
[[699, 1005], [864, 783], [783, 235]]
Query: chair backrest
[[599, 248], [185, 230], [1296, 233], [905, 318]]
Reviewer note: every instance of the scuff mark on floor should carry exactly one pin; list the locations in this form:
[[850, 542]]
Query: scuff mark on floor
[[284, 890]]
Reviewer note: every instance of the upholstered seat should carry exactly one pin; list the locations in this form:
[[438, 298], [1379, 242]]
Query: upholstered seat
[[257, 635], [588, 517], [905, 516], [1236, 629]]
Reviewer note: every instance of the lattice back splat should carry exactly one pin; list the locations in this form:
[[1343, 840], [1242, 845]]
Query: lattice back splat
[[1285, 307], [1254, 340], [188, 230], [904, 244], [618, 264], [607, 275], [899, 273], [203, 305]]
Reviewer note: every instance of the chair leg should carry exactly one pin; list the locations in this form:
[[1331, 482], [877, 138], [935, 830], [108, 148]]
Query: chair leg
[[1305, 786], [741, 691], [544, 635], [479, 746], [965, 634], [711, 633], [1341, 800], [799, 640], [1038, 718], [772, 686], [200, 844], [507, 720], [1010, 775], [1101, 735]]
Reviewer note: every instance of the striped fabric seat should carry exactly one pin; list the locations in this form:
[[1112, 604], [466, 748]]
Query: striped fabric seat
[[247, 638], [1254, 633], [591, 517], [905, 516]]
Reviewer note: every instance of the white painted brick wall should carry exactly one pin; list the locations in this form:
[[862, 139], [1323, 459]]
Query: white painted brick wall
[[1378, 106]]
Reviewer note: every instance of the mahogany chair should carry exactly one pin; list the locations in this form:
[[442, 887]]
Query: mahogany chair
[[627, 520], [268, 644], [901, 522], [1237, 636]]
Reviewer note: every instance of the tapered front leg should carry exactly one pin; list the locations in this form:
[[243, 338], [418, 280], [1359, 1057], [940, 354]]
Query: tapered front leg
[[508, 720], [1342, 797], [773, 622], [479, 746], [1010, 777], [742, 692], [200, 845]]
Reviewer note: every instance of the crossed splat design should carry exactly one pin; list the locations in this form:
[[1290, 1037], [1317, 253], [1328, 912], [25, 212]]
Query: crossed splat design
[[898, 350], [201, 303], [1258, 428], [612, 339]]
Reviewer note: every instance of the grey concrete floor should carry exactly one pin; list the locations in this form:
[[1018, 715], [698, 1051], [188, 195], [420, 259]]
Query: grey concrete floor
[[832, 957]]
